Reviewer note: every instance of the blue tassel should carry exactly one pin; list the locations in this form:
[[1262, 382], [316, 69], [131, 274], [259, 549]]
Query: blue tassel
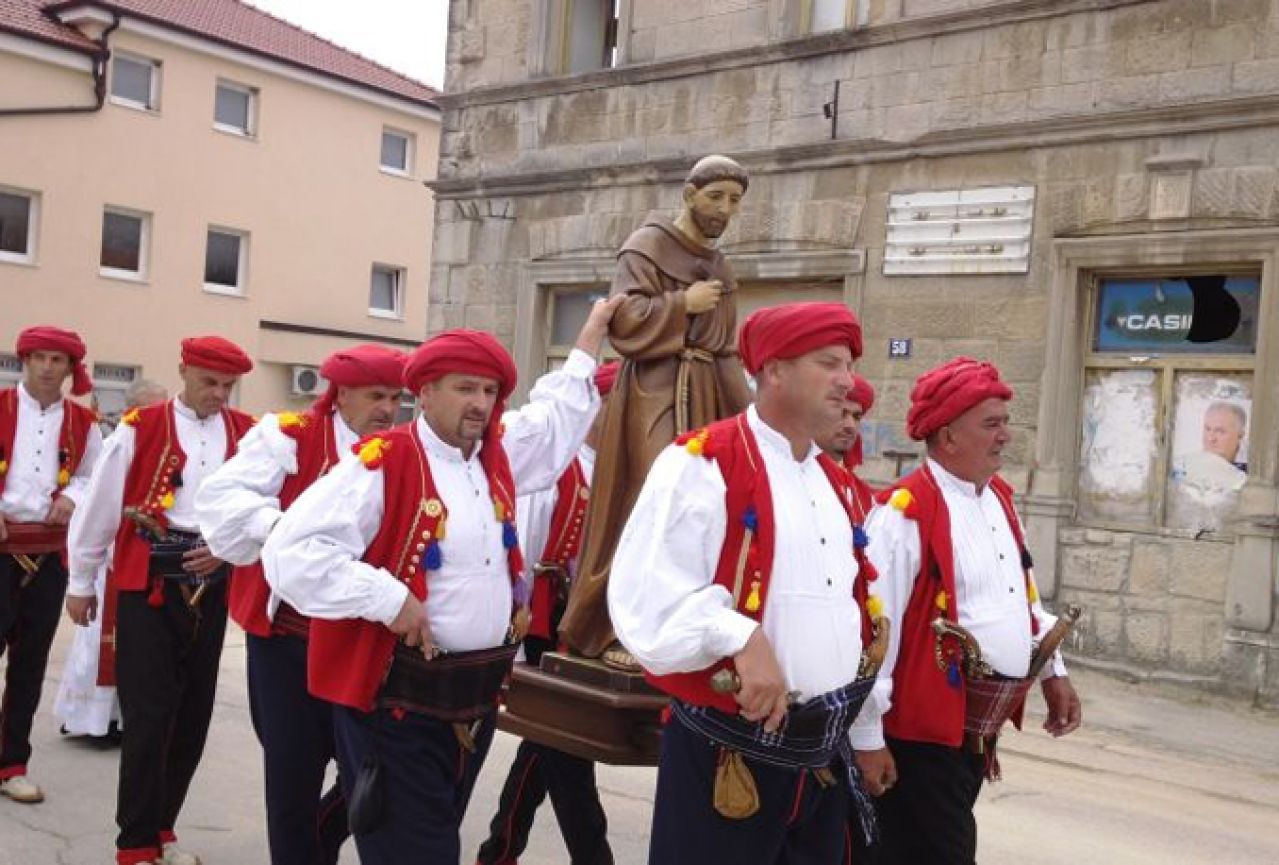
[[750, 519], [860, 539], [952, 675], [510, 537], [434, 558]]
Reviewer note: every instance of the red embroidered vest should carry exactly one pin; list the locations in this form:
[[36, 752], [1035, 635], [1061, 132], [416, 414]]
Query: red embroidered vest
[[156, 470], [746, 559], [927, 706], [316, 454], [564, 539], [73, 437], [347, 659]]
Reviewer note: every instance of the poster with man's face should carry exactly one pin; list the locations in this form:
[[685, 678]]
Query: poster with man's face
[[1209, 462]]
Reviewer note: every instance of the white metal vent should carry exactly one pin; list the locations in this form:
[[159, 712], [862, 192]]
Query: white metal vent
[[965, 231]]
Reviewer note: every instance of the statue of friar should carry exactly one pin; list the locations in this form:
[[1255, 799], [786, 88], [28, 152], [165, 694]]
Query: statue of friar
[[677, 335]]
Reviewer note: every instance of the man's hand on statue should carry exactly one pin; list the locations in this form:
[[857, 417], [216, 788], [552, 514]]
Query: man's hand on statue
[[59, 512], [410, 625], [591, 337], [879, 771], [82, 609], [1065, 712], [763, 695], [200, 562], [702, 296]]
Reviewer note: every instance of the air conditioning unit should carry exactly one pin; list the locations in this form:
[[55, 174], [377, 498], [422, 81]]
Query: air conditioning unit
[[307, 381]]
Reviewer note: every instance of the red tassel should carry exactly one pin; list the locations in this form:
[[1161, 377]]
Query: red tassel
[[155, 597]]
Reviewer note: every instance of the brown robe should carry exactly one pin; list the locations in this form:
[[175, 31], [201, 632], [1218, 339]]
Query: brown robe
[[652, 333]]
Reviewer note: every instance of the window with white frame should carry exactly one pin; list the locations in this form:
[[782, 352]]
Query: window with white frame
[[19, 216], [135, 81], [235, 108], [1167, 400], [567, 309], [226, 260], [110, 388], [386, 291], [397, 151], [825, 15], [126, 238]]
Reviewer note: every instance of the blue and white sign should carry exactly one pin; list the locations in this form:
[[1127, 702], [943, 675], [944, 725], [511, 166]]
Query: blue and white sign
[[1154, 315]]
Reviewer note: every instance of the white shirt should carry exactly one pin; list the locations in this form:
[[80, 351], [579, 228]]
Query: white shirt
[[32, 477], [239, 503], [97, 518], [662, 597], [312, 557], [989, 582], [534, 511]]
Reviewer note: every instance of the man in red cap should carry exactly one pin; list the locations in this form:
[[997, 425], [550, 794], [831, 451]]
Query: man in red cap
[[739, 587], [165, 604], [48, 446], [552, 521], [236, 508], [948, 544], [844, 442], [408, 559]]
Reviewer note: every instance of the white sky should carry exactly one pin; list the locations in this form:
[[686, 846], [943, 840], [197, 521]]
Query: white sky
[[406, 35]]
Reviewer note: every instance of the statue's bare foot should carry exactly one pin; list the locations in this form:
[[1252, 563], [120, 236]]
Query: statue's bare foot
[[616, 657]]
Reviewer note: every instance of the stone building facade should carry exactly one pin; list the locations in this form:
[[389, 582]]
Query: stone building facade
[[1033, 182]]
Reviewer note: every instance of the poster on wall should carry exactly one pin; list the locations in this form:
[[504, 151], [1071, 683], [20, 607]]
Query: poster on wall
[[1119, 445], [1140, 315], [1209, 460]]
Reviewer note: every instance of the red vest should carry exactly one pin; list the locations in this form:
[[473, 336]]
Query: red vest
[[316, 454], [347, 659], [746, 558], [564, 539], [73, 438], [928, 703], [156, 469]]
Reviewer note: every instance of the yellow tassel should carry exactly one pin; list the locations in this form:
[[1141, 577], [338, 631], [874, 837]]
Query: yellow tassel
[[64, 477], [695, 445], [1032, 592], [167, 501], [4, 466], [752, 600], [439, 529], [131, 417], [874, 606], [499, 511], [941, 600], [371, 451], [901, 499], [290, 419]]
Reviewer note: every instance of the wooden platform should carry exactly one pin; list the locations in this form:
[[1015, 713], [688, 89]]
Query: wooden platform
[[580, 706]]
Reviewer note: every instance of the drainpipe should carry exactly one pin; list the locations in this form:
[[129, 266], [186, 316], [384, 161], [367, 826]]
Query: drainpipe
[[99, 85]]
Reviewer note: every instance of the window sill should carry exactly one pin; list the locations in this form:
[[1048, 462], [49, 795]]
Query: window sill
[[224, 290], [395, 172], [235, 132], [1220, 537], [386, 315], [123, 275], [134, 106], [20, 260]]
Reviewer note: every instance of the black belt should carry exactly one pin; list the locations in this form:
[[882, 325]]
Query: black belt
[[167, 559], [456, 686]]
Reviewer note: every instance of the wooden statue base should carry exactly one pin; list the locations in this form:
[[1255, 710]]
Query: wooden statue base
[[580, 706]]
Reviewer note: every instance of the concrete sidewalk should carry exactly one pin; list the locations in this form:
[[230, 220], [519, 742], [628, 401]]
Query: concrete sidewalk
[[1154, 777]]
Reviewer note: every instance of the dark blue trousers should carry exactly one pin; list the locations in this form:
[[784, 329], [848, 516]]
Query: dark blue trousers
[[536, 771], [295, 729], [427, 779], [799, 822], [30, 608]]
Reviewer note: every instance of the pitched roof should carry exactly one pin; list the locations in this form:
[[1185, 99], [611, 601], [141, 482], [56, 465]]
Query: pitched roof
[[228, 22]]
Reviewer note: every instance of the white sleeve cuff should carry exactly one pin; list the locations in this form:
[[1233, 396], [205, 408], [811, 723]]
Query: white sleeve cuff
[[391, 596], [867, 734], [579, 364], [729, 633], [262, 523], [81, 586]]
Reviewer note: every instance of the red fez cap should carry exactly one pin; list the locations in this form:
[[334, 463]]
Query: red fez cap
[[466, 352], [794, 329], [216, 355], [606, 376], [361, 366], [48, 338], [943, 394]]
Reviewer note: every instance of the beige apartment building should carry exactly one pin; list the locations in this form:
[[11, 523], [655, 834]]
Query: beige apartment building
[[1051, 185], [170, 169]]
